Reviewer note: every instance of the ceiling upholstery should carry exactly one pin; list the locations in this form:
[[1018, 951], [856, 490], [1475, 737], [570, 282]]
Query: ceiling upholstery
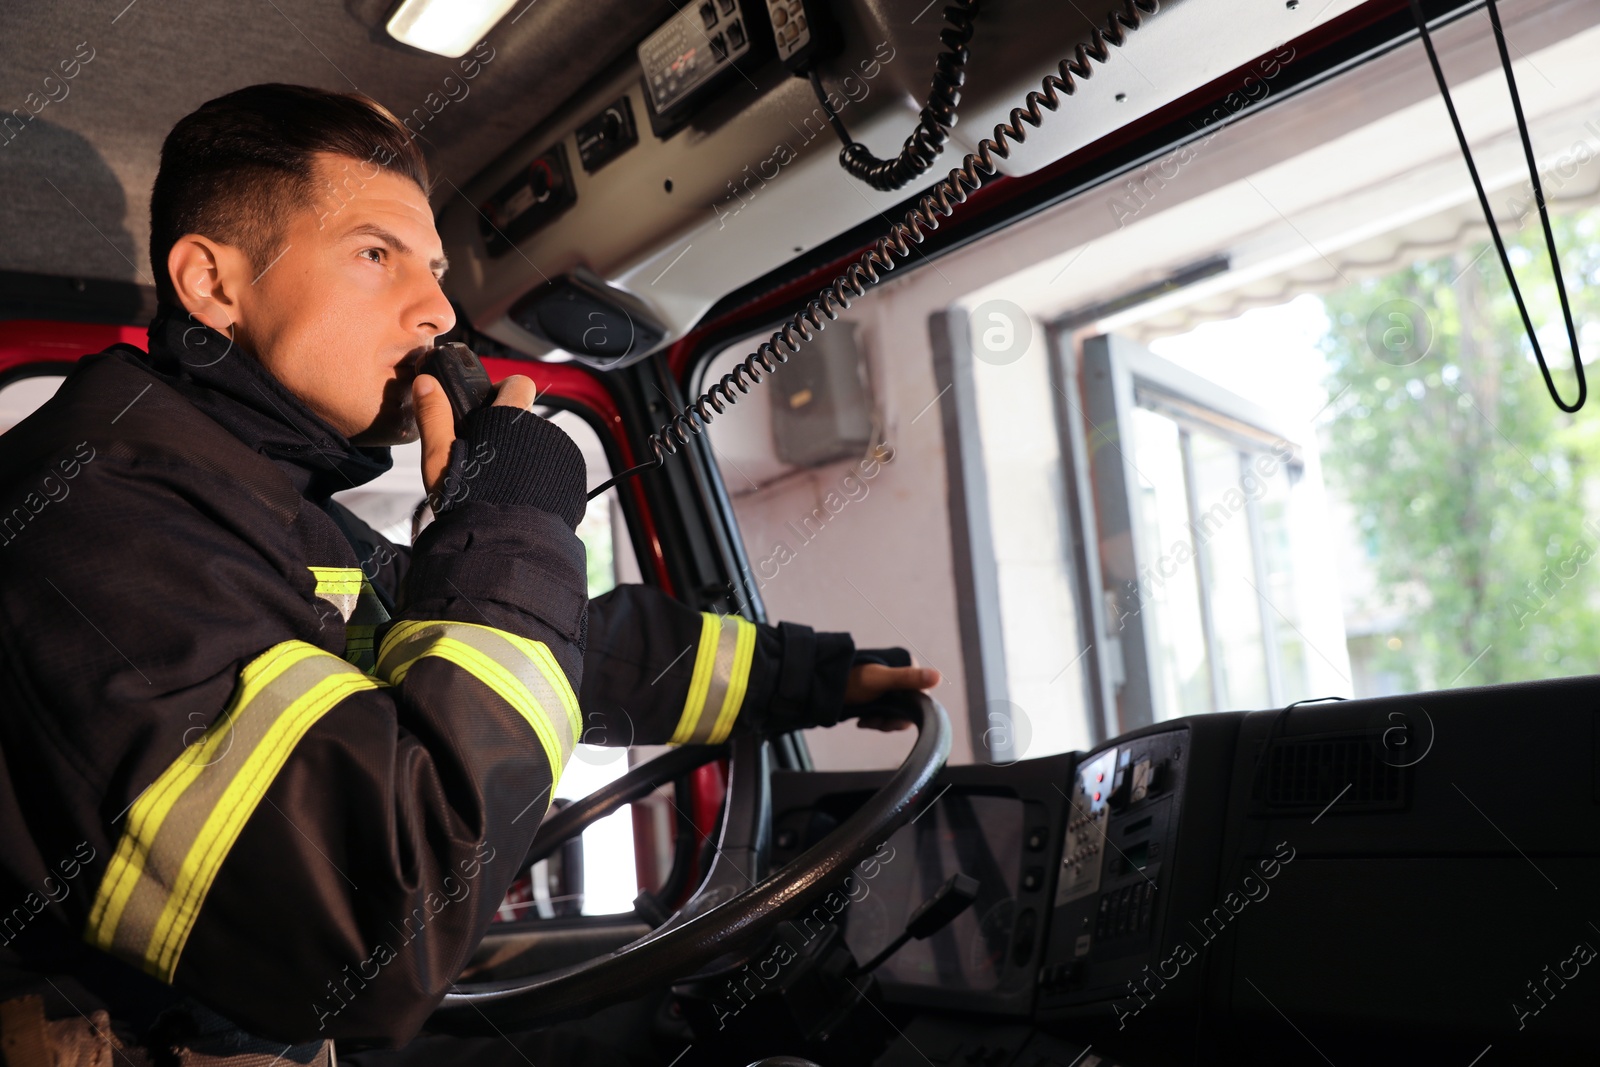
[[75, 181]]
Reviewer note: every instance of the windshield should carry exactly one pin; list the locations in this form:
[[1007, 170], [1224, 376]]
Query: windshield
[[1256, 423]]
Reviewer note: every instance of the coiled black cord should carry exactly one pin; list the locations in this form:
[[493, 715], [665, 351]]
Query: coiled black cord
[[939, 202], [938, 115]]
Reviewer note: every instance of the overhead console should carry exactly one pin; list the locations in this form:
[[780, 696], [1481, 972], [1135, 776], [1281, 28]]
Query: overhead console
[[700, 163]]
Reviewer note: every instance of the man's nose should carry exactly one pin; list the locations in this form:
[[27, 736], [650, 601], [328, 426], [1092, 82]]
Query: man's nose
[[433, 312]]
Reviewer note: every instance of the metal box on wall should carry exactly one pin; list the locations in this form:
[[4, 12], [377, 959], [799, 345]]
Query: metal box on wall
[[821, 406]]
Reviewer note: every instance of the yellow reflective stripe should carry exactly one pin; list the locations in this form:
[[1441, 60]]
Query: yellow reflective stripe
[[738, 680], [700, 681], [151, 809], [521, 672], [337, 579], [227, 819], [721, 677], [182, 827]]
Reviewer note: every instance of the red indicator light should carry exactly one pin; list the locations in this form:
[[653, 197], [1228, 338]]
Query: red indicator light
[[1100, 777], [1097, 798]]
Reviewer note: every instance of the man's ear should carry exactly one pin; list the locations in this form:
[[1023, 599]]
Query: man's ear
[[208, 277]]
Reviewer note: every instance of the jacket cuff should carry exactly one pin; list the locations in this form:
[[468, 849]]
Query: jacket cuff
[[808, 685], [508, 455]]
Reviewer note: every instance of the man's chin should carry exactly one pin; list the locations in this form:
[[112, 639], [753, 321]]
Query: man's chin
[[388, 433], [395, 424]]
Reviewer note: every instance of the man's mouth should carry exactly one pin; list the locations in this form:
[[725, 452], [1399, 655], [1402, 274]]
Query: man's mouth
[[409, 367]]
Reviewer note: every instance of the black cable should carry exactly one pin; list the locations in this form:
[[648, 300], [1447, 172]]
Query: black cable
[[938, 114], [833, 116], [939, 202], [1488, 212]]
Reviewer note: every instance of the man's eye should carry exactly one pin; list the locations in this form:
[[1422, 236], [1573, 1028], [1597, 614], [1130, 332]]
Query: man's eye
[[377, 254]]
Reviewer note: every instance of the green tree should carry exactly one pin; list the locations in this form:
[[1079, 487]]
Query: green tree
[[1471, 489]]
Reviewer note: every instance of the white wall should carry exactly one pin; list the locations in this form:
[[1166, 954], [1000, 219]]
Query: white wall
[[880, 568]]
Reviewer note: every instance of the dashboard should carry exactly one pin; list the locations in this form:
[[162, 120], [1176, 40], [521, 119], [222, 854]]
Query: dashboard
[[1358, 878]]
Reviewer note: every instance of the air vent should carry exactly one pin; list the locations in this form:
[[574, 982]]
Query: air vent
[[1306, 775]]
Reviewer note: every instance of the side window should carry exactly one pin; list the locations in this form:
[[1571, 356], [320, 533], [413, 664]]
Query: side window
[[23, 396]]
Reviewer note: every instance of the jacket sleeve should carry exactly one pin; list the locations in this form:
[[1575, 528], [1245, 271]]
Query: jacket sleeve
[[656, 671], [659, 672], [310, 849]]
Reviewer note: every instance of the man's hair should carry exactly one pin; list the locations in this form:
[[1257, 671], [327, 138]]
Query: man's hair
[[236, 168]]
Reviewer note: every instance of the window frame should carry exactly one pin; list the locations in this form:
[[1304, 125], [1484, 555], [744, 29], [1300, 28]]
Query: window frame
[[1115, 377]]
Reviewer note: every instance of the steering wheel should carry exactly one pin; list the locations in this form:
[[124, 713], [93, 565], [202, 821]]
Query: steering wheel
[[731, 911]]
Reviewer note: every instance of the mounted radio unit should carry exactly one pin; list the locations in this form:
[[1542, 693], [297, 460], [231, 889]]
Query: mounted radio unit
[[528, 202], [696, 51]]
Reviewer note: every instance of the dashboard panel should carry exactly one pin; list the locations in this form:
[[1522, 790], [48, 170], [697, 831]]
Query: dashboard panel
[[964, 833], [1000, 825], [1389, 879]]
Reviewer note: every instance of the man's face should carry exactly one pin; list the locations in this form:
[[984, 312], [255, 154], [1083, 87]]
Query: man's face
[[343, 313]]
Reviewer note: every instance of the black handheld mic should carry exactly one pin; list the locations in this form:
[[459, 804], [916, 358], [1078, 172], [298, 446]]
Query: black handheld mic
[[462, 375]]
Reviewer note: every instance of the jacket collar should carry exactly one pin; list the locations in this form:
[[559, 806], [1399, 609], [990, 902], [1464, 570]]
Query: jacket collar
[[232, 387]]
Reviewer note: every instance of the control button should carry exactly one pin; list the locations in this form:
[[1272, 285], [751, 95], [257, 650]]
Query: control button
[[735, 36], [800, 23], [1033, 879], [786, 838], [791, 32], [708, 15], [1036, 840], [726, 6], [780, 18], [539, 182]]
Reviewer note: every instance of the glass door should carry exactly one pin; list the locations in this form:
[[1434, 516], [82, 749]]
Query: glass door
[[1211, 526]]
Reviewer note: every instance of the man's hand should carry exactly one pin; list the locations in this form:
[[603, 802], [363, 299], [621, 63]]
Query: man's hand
[[437, 423], [869, 681]]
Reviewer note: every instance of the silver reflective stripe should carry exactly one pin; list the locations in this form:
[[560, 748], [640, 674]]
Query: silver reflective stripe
[[363, 624], [719, 682], [351, 593], [521, 672], [339, 586]]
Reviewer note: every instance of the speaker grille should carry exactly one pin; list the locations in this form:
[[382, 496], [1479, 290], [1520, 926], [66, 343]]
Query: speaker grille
[[1307, 774]]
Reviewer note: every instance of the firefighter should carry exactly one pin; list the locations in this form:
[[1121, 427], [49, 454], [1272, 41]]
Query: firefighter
[[244, 740]]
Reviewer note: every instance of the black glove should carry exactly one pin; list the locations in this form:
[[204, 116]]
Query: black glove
[[507, 455], [895, 704]]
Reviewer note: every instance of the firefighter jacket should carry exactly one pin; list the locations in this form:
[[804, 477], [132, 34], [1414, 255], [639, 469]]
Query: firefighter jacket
[[253, 754]]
